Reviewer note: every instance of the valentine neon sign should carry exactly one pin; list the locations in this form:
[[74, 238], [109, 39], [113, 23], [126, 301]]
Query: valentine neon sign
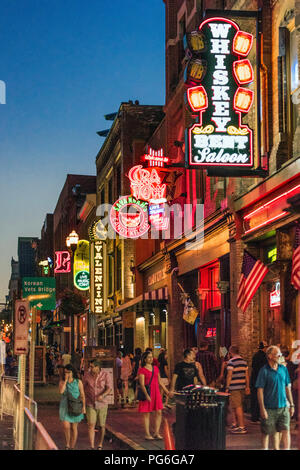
[[146, 184], [216, 78]]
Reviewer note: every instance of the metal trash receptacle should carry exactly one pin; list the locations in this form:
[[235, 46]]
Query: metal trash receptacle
[[200, 419]]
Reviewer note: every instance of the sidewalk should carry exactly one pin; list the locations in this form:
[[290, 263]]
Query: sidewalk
[[6, 433], [125, 426]]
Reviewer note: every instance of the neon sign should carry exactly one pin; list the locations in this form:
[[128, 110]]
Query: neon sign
[[62, 262], [129, 217], [157, 216], [81, 265], [156, 157], [146, 184], [215, 77], [275, 296], [98, 307]]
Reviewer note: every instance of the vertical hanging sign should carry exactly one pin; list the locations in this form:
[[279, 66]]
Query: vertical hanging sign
[[217, 79], [97, 234]]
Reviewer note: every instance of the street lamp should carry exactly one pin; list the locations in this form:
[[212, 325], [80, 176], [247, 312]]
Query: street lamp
[[72, 242]]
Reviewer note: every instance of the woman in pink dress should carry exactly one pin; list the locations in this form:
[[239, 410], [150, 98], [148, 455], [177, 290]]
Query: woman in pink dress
[[154, 401]]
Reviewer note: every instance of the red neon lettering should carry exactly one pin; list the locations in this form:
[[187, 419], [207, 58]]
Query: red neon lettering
[[146, 184]]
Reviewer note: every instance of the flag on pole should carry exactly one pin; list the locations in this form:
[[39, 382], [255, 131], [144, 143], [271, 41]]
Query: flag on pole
[[253, 273], [295, 279]]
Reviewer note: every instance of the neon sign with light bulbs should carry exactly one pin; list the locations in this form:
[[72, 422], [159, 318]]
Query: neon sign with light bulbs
[[217, 79]]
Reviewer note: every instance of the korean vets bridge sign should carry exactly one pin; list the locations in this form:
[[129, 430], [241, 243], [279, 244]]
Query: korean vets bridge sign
[[38, 286]]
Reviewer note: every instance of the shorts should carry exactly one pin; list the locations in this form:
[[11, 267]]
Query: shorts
[[94, 416], [278, 420], [236, 398]]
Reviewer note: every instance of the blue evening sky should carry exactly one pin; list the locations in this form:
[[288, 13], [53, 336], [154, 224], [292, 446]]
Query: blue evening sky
[[66, 63]]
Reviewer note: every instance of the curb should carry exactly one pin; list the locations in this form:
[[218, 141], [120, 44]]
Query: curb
[[127, 443]]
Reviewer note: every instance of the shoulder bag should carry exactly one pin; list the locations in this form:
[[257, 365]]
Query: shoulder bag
[[140, 395], [75, 405]]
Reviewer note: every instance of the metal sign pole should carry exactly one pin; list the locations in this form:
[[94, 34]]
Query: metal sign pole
[[22, 401], [32, 356]]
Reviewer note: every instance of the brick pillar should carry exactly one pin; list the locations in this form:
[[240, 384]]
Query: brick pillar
[[175, 344]]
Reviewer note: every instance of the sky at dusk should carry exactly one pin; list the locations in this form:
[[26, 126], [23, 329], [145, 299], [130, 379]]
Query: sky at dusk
[[65, 64]]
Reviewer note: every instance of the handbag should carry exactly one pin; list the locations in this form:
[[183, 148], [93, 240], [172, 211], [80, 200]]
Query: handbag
[[140, 394], [75, 405]]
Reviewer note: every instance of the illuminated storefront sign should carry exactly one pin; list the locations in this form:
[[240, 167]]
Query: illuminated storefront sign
[[145, 184], [62, 262], [156, 158], [81, 266], [217, 77], [272, 255], [157, 216], [275, 296], [129, 217], [98, 307]]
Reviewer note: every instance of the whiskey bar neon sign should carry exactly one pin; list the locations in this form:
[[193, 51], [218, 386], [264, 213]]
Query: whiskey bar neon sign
[[216, 78]]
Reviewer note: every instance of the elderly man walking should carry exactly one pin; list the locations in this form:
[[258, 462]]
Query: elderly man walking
[[274, 392]]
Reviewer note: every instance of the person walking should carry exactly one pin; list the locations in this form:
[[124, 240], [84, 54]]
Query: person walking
[[70, 385], [237, 384], [185, 372], [274, 393], [201, 377], [258, 361], [66, 358], [97, 388], [164, 375], [209, 363], [135, 367], [126, 370], [149, 377]]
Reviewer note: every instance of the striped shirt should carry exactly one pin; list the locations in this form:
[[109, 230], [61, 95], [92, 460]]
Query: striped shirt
[[239, 366]]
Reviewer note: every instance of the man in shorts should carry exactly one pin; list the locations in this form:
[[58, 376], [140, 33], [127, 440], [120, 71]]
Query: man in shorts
[[237, 384], [274, 392], [96, 388]]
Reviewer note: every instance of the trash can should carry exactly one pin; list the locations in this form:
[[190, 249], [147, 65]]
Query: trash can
[[200, 419]]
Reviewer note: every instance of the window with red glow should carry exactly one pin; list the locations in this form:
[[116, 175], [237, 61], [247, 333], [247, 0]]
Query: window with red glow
[[210, 294]]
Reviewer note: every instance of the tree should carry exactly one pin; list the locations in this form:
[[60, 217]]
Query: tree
[[71, 304]]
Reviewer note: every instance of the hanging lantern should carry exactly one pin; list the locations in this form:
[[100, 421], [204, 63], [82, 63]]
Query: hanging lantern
[[197, 98], [242, 43], [243, 100], [243, 71]]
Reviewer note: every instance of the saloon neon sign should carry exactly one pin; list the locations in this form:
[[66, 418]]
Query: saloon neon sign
[[215, 77]]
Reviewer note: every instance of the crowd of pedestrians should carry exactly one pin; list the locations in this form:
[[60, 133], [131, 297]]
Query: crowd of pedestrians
[[146, 382]]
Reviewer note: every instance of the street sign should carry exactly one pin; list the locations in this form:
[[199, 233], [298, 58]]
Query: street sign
[[21, 327], [39, 286]]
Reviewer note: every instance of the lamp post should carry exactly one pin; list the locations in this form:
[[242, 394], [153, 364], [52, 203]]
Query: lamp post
[[72, 242]]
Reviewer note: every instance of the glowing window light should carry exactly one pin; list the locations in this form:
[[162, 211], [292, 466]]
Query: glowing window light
[[242, 43], [243, 100], [243, 71], [197, 98]]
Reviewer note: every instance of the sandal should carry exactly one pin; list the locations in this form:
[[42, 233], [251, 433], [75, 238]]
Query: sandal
[[99, 448], [149, 438], [158, 436], [67, 448]]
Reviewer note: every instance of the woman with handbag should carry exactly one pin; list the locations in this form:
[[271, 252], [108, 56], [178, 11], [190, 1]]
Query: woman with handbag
[[72, 405], [149, 394]]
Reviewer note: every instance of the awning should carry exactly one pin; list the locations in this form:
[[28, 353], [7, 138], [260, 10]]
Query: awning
[[149, 299]]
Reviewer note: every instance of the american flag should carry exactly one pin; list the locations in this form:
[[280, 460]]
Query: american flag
[[253, 273], [295, 280]]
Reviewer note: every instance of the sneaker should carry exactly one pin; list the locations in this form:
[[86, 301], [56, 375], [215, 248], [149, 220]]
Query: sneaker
[[239, 430]]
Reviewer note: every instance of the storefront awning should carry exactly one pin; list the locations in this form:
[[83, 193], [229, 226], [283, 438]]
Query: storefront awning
[[146, 300]]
